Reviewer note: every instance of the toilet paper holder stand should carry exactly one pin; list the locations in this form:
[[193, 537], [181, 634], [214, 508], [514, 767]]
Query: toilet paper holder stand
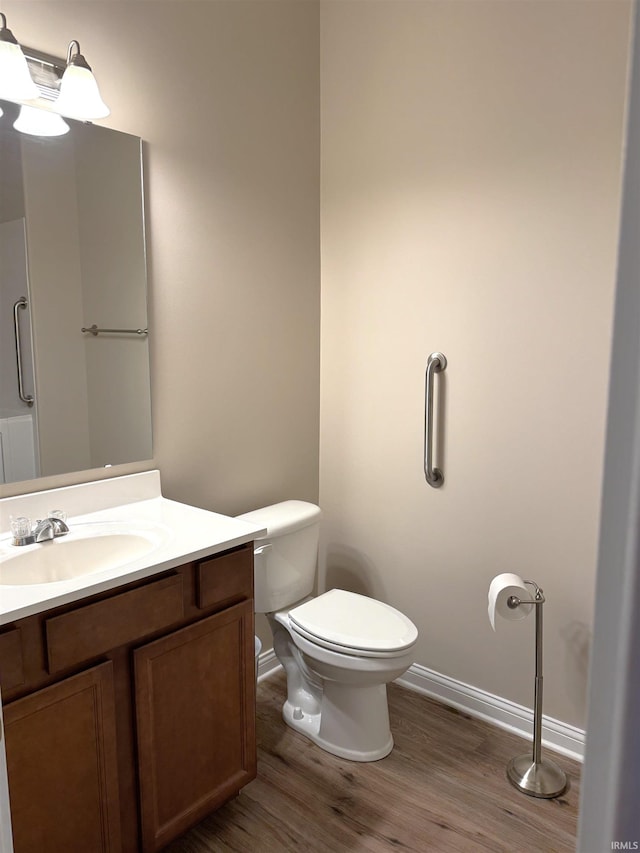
[[530, 773]]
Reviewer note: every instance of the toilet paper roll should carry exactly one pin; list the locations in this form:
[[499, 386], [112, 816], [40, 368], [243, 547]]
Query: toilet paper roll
[[502, 587]]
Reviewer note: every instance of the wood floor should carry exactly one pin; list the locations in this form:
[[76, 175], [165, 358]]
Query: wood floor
[[443, 788]]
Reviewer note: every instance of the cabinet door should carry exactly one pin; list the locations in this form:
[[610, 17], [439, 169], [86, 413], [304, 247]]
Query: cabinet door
[[195, 709], [62, 766]]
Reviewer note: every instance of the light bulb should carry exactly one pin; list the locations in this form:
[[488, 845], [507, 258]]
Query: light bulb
[[36, 122], [79, 94], [15, 80]]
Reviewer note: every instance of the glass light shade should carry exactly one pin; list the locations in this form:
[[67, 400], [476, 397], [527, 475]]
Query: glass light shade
[[79, 95], [36, 122], [1, 111], [15, 81]]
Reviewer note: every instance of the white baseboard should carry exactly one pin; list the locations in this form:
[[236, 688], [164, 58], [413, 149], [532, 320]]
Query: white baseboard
[[558, 736], [517, 719], [268, 664]]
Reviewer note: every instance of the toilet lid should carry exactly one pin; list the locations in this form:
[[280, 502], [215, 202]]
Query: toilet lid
[[354, 622]]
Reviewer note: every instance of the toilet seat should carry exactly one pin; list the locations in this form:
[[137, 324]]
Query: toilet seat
[[353, 624]]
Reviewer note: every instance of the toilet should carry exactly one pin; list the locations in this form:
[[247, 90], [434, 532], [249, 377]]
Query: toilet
[[339, 649]]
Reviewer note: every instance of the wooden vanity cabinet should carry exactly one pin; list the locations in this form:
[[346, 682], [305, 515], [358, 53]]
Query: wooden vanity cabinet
[[131, 715]]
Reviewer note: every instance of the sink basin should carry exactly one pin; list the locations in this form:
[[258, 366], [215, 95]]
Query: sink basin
[[87, 549]]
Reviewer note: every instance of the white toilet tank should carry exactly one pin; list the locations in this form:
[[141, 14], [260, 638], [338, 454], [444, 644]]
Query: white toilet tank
[[286, 558]]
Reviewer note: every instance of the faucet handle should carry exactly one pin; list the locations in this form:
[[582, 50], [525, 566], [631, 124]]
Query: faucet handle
[[20, 527], [21, 531], [58, 519]]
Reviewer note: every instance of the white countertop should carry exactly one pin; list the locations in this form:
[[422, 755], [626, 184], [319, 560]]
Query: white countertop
[[188, 533]]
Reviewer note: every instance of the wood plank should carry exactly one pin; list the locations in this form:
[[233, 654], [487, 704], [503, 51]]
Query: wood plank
[[443, 788]]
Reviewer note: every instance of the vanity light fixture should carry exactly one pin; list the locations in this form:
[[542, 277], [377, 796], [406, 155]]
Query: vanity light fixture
[[15, 81], [79, 96], [40, 122]]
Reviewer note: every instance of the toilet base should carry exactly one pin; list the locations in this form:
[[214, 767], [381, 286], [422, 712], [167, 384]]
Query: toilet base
[[353, 722]]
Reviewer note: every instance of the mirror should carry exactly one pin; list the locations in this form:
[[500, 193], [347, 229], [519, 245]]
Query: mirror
[[72, 257]]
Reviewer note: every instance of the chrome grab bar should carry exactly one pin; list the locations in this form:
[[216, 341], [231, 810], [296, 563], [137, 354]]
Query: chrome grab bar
[[95, 331], [435, 364], [21, 303]]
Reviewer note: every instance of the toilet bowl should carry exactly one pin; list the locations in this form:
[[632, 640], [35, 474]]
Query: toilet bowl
[[339, 650]]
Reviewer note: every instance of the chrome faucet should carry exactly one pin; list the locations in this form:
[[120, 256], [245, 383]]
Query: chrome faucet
[[49, 528], [42, 531]]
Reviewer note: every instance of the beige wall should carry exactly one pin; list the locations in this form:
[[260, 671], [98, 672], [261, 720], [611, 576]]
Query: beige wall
[[225, 97], [470, 195], [470, 160]]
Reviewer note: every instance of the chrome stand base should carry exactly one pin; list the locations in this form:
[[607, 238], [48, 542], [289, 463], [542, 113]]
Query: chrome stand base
[[541, 779]]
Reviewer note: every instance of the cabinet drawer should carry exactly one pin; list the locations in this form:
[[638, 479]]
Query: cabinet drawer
[[89, 631], [226, 578], [11, 666]]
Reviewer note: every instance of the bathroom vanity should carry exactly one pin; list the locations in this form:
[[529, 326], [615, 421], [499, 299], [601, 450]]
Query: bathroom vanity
[[128, 693]]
